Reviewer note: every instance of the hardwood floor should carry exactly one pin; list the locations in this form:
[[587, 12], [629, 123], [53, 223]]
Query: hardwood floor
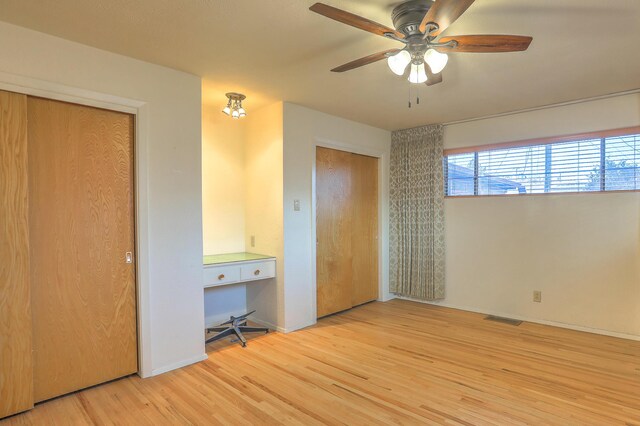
[[382, 363]]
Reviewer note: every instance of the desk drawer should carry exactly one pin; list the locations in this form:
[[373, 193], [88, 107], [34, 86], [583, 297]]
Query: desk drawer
[[219, 275], [258, 271]]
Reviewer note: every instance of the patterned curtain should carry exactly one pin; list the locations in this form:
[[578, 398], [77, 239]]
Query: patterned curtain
[[417, 213]]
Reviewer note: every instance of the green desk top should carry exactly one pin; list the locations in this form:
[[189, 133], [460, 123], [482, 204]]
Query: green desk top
[[214, 259]]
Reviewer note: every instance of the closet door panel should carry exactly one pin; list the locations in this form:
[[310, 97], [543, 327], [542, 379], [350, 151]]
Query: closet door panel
[[16, 370], [333, 231], [81, 226], [364, 234]]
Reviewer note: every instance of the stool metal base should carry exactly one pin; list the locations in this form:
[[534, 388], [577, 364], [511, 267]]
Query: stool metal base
[[235, 325]]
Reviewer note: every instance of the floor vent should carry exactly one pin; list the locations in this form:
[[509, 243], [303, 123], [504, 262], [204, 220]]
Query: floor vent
[[509, 321]]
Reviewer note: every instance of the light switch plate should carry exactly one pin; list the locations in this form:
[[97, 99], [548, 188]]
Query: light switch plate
[[296, 205], [537, 296]]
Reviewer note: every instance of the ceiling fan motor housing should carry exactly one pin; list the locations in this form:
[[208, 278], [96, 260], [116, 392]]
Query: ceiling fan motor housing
[[408, 15]]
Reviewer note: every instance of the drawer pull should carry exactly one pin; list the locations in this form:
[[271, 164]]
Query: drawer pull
[[221, 277], [257, 272]]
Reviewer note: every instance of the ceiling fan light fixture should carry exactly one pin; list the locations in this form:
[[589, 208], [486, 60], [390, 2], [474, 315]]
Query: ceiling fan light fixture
[[419, 25], [417, 74], [398, 62], [436, 60]]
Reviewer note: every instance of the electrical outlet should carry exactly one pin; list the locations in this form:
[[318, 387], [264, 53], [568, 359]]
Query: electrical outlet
[[253, 241], [537, 296]]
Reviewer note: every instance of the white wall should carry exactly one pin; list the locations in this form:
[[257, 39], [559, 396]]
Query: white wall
[[263, 204], [304, 129], [223, 183], [582, 251], [609, 113], [222, 302], [223, 204], [168, 159]]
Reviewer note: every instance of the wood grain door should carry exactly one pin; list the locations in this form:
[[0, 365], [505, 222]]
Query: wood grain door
[[333, 231], [81, 225], [346, 230], [364, 235], [16, 371]]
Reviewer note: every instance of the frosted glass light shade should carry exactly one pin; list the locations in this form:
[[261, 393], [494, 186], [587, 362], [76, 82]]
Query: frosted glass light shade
[[417, 74], [398, 62], [234, 105], [436, 60]]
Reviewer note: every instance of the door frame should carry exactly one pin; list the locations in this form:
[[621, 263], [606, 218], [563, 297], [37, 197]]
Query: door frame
[[45, 89], [383, 215]]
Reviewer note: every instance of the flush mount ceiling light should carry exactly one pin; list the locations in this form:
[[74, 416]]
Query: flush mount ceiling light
[[234, 106], [419, 25]]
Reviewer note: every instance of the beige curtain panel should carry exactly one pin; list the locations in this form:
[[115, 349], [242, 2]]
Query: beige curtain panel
[[417, 213]]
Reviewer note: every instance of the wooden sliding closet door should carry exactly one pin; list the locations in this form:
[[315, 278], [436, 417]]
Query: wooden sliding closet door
[[346, 230], [364, 237], [81, 225], [333, 231], [16, 378]]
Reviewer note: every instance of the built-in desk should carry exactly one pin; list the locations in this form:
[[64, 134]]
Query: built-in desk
[[232, 268]]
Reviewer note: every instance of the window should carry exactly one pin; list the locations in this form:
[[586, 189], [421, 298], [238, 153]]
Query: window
[[609, 161]]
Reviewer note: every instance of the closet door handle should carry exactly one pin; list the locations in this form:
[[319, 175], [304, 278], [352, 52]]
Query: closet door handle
[[221, 277]]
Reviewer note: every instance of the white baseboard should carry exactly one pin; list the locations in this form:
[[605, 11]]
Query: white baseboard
[[176, 365], [299, 326], [282, 329], [387, 297], [268, 325], [527, 319]]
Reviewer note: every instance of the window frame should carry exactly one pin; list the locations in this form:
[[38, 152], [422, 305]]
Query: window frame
[[602, 135]]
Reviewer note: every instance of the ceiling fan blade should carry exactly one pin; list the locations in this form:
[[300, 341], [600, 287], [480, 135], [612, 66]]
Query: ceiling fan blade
[[444, 13], [486, 43], [431, 77], [353, 20], [364, 61]]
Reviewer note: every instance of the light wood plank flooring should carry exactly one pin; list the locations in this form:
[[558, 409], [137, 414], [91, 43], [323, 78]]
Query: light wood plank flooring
[[382, 363]]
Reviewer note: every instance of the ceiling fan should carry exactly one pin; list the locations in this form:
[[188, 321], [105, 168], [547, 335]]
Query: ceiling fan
[[419, 25]]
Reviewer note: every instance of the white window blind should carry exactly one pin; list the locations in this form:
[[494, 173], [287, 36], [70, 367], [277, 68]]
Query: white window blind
[[595, 164], [622, 163]]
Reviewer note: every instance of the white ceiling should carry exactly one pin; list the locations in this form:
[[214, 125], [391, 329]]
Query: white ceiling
[[278, 50]]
